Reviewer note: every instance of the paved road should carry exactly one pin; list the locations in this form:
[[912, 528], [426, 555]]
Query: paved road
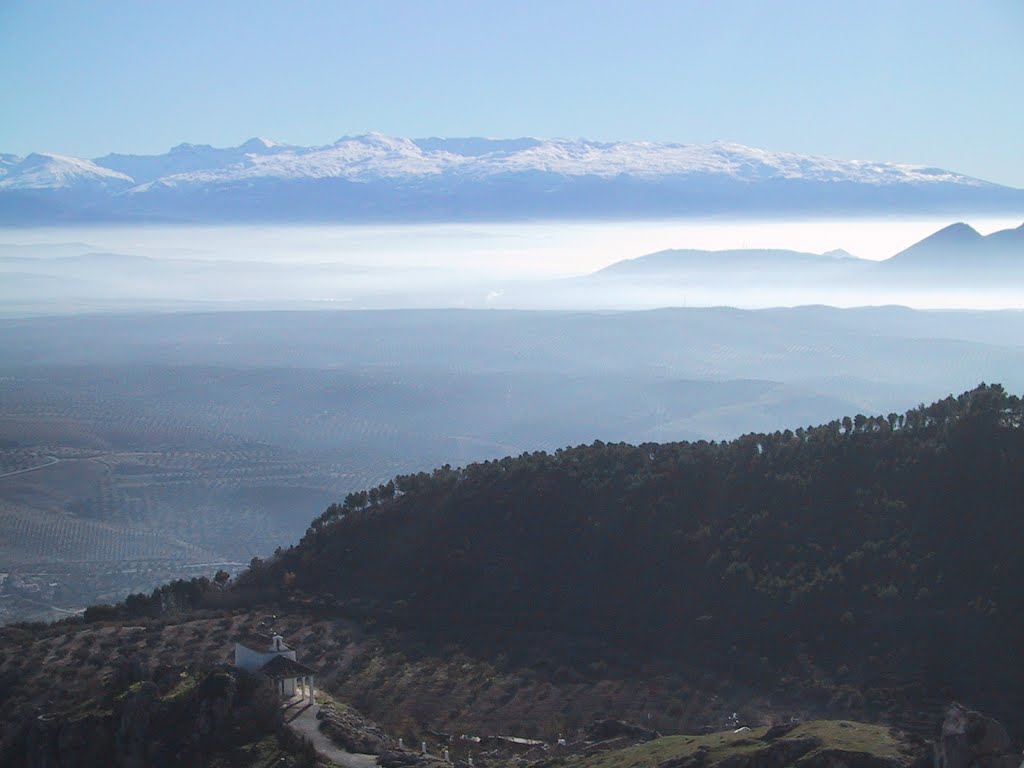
[[301, 718]]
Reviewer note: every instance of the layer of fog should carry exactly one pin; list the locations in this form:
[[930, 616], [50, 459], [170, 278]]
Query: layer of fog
[[508, 265]]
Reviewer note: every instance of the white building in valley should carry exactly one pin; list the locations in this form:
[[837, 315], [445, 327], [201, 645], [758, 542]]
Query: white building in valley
[[270, 657]]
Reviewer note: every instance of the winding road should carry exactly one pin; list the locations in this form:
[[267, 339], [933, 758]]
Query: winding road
[[301, 718]]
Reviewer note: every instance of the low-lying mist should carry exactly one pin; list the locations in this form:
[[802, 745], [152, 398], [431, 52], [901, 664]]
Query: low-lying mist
[[513, 266]]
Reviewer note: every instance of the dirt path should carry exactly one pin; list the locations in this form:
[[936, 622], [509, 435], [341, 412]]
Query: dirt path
[[53, 460], [301, 718]]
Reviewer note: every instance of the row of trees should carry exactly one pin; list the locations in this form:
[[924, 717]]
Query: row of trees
[[178, 596]]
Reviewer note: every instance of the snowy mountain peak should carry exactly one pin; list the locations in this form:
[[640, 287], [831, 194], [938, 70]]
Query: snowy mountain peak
[[476, 147], [43, 170], [373, 155], [7, 161], [380, 141], [258, 144], [376, 176]]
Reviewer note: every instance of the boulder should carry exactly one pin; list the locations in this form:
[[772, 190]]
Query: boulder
[[969, 739], [350, 730], [779, 754]]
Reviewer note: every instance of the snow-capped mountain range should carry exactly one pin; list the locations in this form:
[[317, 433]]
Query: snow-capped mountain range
[[377, 177]]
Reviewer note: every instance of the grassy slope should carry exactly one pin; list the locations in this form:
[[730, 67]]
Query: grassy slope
[[832, 735]]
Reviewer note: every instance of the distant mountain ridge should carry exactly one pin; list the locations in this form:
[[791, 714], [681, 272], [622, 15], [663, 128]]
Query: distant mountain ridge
[[701, 260], [956, 246], [961, 245], [378, 177]]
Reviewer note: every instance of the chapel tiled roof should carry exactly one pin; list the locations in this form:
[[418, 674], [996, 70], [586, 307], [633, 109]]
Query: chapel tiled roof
[[282, 666]]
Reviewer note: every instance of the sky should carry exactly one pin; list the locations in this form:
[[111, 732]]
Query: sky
[[935, 82]]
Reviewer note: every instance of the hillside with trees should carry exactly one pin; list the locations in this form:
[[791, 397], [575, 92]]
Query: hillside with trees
[[872, 551], [866, 568]]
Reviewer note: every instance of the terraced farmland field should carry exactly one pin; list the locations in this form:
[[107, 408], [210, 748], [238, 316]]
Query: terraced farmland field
[[100, 496]]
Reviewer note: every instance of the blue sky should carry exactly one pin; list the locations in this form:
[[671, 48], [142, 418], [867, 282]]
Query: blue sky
[[934, 82]]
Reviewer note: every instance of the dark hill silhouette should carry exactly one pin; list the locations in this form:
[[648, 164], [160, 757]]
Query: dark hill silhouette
[[957, 261], [959, 246], [754, 258], [956, 234], [876, 551], [1009, 237]]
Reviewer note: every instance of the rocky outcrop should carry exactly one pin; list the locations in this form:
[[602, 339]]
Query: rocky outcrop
[[52, 742], [143, 728], [969, 739], [350, 730], [777, 755], [133, 737], [218, 699]]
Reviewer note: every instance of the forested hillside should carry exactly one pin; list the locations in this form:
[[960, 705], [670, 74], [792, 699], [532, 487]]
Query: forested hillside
[[867, 551], [166, 445]]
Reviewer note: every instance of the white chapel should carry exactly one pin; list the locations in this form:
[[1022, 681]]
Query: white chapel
[[270, 657]]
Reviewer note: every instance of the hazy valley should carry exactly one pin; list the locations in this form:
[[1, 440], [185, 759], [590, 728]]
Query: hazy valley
[[159, 444]]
